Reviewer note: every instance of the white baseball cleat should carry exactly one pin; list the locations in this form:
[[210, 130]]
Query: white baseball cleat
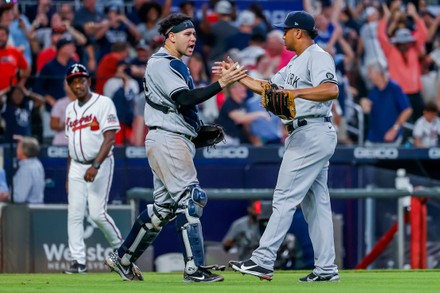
[[251, 268]]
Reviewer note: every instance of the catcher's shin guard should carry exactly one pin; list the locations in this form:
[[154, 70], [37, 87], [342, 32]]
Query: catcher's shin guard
[[190, 228], [142, 234]]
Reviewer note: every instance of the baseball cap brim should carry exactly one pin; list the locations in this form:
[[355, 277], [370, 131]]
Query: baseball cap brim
[[76, 74], [281, 25]]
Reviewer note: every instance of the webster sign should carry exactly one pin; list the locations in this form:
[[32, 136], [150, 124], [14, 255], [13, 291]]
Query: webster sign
[[50, 242]]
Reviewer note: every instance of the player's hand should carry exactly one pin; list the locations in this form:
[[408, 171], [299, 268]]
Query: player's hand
[[231, 75], [90, 174], [219, 66], [230, 72]]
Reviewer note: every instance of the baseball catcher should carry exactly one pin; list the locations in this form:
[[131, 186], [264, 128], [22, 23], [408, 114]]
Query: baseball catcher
[[278, 101], [209, 135]]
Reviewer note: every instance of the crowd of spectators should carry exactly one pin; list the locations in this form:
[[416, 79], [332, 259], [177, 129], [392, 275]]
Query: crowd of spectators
[[387, 55]]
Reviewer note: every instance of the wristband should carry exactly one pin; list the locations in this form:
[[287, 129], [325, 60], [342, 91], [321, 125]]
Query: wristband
[[96, 165]]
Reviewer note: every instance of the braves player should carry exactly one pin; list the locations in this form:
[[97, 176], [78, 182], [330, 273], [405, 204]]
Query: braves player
[[91, 124], [302, 179], [171, 115]]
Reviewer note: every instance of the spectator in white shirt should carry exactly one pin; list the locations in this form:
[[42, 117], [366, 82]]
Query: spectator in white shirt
[[427, 128]]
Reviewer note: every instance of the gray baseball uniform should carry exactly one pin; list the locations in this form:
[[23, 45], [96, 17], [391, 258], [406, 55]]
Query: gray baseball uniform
[[170, 152], [302, 177]]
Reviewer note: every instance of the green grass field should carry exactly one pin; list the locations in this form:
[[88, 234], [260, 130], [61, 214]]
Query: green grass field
[[284, 281]]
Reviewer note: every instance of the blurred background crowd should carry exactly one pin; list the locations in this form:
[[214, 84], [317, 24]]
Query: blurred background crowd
[[387, 55]]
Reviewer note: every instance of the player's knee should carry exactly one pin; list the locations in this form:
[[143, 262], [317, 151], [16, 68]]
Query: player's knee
[[193, 210], [157, 217], [198, 195], [97, 218], [196, 202]]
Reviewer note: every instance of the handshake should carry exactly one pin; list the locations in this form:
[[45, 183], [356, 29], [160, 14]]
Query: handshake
[[274, 99], [228, 72]]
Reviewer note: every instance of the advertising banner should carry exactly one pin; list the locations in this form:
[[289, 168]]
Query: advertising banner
[[48, 247]]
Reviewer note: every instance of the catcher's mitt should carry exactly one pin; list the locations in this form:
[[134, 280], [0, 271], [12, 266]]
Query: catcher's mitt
[[209, 135], [278, 101]]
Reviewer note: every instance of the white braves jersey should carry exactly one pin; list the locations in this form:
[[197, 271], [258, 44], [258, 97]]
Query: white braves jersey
[[310, 69], [428, 132], [86, 124]]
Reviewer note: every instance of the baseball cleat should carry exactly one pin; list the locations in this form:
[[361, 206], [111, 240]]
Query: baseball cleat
[[312, 277], [127, 273], [202, 275], [75, 268], [251, 268]]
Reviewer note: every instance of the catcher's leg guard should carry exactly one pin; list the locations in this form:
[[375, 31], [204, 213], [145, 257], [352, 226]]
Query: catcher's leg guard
[[143, 233], [190, 228]]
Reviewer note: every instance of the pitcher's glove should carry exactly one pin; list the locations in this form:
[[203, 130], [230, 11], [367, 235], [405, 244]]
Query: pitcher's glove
[[278, 101], [209, 135]]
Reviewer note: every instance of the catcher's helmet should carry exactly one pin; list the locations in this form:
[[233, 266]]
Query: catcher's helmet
[[76, 70]]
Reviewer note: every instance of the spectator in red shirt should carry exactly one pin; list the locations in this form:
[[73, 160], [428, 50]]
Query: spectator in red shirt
[[14, 67], [48, 54], [403, 52], [108, 65]]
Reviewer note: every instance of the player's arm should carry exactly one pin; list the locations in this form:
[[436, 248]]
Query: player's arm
[[106, 146], [196, 96], [109, 141], [253, 84], [199, 95], [324, 92]]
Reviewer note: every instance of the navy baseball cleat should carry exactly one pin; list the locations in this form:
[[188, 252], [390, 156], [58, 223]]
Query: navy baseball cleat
[[202, 275], [75, 268], [251, 268], [127, 273], [312, 277]]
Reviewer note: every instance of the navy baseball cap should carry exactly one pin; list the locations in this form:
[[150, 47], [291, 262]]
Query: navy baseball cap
[[298, 19], [76, 70], [64, 41]]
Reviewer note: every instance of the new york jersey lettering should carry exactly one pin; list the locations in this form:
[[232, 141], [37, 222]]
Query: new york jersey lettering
[[292, 80]]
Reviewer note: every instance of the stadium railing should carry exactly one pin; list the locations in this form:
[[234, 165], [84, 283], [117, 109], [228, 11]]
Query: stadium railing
[[136, 194]]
